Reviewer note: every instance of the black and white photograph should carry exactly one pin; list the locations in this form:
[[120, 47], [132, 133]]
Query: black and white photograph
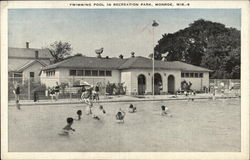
[[126, 78]]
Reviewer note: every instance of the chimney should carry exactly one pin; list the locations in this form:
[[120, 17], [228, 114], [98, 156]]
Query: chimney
[[99, 55], [121, 56], [132, 54], [27, 45]]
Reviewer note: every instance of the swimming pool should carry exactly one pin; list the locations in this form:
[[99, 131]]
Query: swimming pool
[[197, 126]]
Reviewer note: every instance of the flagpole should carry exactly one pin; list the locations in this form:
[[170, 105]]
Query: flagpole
[[155, 24]]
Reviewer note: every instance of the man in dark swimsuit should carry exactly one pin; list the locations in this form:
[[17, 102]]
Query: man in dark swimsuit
[[57, 90]]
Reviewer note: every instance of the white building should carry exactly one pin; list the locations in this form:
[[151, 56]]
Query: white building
[[134, 72], [25, 63]]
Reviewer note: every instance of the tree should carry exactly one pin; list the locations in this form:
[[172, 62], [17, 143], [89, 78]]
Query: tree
[[59, 50], [223, 55], [207, 44]]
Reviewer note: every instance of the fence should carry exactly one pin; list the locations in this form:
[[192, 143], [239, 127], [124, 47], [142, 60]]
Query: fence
[[69, 87], [224, 85]]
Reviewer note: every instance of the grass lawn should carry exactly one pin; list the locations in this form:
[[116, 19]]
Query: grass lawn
[[196, 126]]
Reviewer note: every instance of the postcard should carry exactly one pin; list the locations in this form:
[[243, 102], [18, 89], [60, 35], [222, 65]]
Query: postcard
[[125, 80]]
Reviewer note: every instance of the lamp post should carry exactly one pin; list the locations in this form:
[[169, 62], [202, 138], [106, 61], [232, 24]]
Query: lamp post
[[155, 24]]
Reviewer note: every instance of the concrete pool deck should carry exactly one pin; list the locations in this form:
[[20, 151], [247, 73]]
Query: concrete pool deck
[[123, 98]]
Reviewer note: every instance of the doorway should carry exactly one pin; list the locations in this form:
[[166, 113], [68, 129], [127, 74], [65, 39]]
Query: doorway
[[141, 84], [157, 84], [171, 84]]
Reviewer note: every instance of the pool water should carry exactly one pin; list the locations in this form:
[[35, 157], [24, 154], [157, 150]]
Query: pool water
[[196, 126]]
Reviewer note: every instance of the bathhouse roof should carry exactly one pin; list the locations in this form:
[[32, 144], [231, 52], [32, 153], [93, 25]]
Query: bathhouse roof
[[88, 63], [146, 63], [121, 64]]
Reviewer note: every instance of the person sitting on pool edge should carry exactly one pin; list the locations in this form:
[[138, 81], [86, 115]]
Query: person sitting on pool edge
[[165, 111], [120, 116], [131, 109], [66, 130]]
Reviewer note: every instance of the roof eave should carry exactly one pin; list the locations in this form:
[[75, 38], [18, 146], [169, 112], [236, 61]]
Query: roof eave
[[44, 69], [27, 66], [196, 70], [149, 68], [69, 67]]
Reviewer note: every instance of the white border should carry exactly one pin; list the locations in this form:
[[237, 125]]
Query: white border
[[244, 154]]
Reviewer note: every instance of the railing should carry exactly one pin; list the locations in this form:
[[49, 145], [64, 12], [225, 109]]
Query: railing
[[70, 88]]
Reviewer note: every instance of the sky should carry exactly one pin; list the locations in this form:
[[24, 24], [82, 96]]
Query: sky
[[118, 31]]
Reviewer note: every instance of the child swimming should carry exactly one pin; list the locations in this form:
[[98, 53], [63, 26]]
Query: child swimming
[[131, 109], [102, 109], [79, 114], [165, 111], [120, 116], [95, 117], [66, 130], [96, 114]]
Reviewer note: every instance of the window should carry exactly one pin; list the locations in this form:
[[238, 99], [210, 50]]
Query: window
[[17, 75], [201, 75], [84, 73], [101, 73], [108, 73], [72, 72], [87, 72], [79, 72], [32, 74], [182, 75], [94, 72], [36, 54], [196, 75]]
